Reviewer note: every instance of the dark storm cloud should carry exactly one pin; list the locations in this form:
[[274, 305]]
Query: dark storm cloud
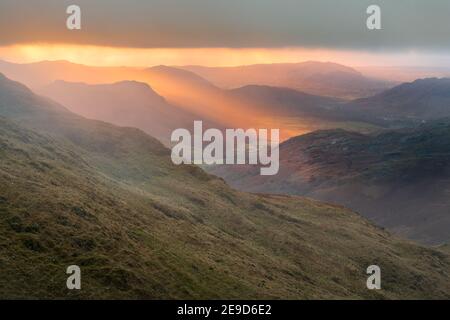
[[407, 24]]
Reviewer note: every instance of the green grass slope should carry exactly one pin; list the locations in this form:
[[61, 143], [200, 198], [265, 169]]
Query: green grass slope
[[108, 199], [399, 179]]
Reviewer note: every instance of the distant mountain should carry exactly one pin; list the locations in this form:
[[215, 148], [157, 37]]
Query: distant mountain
[[445, 248], [179, 76], [84, 192], [290, 110], [399, 179], [258, 106], [126, 103], [296, 112], [183, 89], [40, 74], [400, 74], [318, 78], [421, 100], [192, 93], [285, 101]]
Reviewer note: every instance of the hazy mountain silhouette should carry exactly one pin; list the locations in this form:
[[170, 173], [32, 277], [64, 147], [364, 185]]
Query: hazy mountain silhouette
[[39, 74], [126, 103], [259, 106], [181, 88], [285, 101], [296, 112], [107, 198], [318, 78]]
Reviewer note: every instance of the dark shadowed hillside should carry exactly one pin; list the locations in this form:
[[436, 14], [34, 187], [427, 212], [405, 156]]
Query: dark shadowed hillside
[[78, 191], [39, 74], [400, 179], [414, 102], [286, 102]]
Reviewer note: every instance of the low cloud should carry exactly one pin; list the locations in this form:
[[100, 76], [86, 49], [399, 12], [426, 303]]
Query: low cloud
[[406, 24]]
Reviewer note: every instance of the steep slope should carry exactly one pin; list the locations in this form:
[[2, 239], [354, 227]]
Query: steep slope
[[185, 90], [126, 103], [78, 191], [296, 112], [400, 179], [39, 74], [318, 78], [193, 95], [400, 74], [421, 100]]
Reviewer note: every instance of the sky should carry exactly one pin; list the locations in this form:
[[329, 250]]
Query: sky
[[231, 32]]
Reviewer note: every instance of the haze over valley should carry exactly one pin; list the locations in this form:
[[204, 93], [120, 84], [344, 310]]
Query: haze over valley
[[384, 155]]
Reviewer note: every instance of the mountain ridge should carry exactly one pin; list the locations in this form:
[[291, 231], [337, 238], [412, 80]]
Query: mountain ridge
[[108, 199], [398, 178], [417, 101], [124, 103], [313, 77]]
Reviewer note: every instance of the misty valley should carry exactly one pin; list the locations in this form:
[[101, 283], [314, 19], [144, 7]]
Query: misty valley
[[236, 146], [130, 176]]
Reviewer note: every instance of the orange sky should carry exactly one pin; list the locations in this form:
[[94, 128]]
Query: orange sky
[[111, 56]]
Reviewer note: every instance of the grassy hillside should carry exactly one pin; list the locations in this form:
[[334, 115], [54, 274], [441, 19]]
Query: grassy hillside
[[77, 191], [406, 104], [248, 107], [125, 103], [400, 179]]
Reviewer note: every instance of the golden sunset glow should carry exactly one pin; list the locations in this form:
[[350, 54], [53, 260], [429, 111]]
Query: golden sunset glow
[[192, 98], [143, 57], [109, 56]]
